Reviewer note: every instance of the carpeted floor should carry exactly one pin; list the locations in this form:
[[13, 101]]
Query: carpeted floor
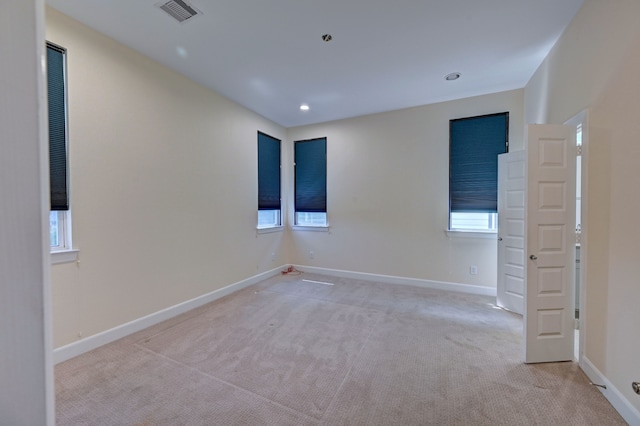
[[290, 351]]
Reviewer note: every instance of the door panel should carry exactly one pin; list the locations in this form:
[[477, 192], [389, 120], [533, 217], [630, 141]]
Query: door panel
[[511, 231], [550, 217]]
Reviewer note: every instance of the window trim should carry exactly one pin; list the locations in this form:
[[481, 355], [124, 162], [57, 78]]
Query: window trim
[[64, 256], [269, 230], [313, 228], [463, 233]]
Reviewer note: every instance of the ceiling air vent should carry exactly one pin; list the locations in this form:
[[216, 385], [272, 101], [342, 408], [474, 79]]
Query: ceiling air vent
[[179, 10]]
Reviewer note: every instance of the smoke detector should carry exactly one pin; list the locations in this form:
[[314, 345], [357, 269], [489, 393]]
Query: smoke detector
[[179, 10]]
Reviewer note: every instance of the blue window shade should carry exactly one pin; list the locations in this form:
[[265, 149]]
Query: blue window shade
[[268, 172], [57, 127], [475, 143], [311, 176]]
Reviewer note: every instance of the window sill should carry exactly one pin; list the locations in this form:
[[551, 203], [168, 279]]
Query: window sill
[[459, 233], [64, 256], [316, 228], [269, 230]]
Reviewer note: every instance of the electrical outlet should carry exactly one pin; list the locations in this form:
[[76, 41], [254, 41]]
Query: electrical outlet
[[273, 256], [473, 269]]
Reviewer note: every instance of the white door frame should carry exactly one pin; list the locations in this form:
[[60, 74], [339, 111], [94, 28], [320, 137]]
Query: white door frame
[[583, 118], [26, 356]]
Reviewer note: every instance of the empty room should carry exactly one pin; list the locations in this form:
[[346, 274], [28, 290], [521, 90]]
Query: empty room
[[290, 213]]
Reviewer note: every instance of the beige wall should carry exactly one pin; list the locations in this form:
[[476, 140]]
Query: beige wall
[[163, 188], [163, 185], [387, 189], [596, 65]]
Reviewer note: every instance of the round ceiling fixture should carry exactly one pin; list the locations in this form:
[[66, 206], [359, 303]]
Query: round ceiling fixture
[[327, 38], [452, 76], [304, 107]]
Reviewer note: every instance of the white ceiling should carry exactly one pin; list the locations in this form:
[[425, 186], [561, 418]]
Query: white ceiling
[[269, 56]]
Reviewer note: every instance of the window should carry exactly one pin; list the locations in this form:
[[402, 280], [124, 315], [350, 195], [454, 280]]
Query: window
[[60, 235], [579, 179], [474, 146], [310, 192], [59, 231], [268, 181]]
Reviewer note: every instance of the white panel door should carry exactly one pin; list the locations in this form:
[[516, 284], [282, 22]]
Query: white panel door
[[511, 231], [550, 219]]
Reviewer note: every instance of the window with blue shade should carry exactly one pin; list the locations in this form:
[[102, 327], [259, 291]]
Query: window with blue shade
[[310, 191], [269, 204], [474, 146]]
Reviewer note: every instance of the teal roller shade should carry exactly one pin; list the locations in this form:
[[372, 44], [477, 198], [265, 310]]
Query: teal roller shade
[[311, 176], [475, 144], [57, 128], [268, 172]]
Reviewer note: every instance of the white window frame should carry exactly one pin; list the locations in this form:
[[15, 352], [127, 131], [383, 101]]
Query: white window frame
[[63, 252], [316, 220], [269, 221], [473, 222]]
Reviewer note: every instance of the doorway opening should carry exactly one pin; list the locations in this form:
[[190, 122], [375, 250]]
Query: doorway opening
[[580, 123]]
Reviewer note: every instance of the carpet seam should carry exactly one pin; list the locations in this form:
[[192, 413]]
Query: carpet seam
[[196, 370], [346, 376]]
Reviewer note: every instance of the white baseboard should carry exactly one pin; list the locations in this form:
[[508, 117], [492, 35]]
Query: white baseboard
[[72, 350], [416, 282], [628, 412]]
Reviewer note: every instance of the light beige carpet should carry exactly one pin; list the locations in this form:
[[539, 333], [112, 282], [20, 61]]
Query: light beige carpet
[[293, 352]]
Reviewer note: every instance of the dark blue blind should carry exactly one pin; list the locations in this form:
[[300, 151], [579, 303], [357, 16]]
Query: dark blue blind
[[57, 127], [475, 143], [311, 175], [268, 172]]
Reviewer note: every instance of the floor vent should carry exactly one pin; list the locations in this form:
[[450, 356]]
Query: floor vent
[[179, 10]]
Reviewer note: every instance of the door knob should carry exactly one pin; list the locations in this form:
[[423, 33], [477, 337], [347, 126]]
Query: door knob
[[499, 238], [533, 257]]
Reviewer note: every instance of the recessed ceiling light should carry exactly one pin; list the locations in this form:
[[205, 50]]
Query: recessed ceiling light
[[452, 76], [304, 107]]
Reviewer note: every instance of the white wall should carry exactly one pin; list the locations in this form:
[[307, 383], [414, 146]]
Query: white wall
[[163, 187], [387, 194], [596, 65], [26, 369]]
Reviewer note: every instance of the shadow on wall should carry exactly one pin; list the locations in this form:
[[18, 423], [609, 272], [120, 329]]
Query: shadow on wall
[[598, 244]]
